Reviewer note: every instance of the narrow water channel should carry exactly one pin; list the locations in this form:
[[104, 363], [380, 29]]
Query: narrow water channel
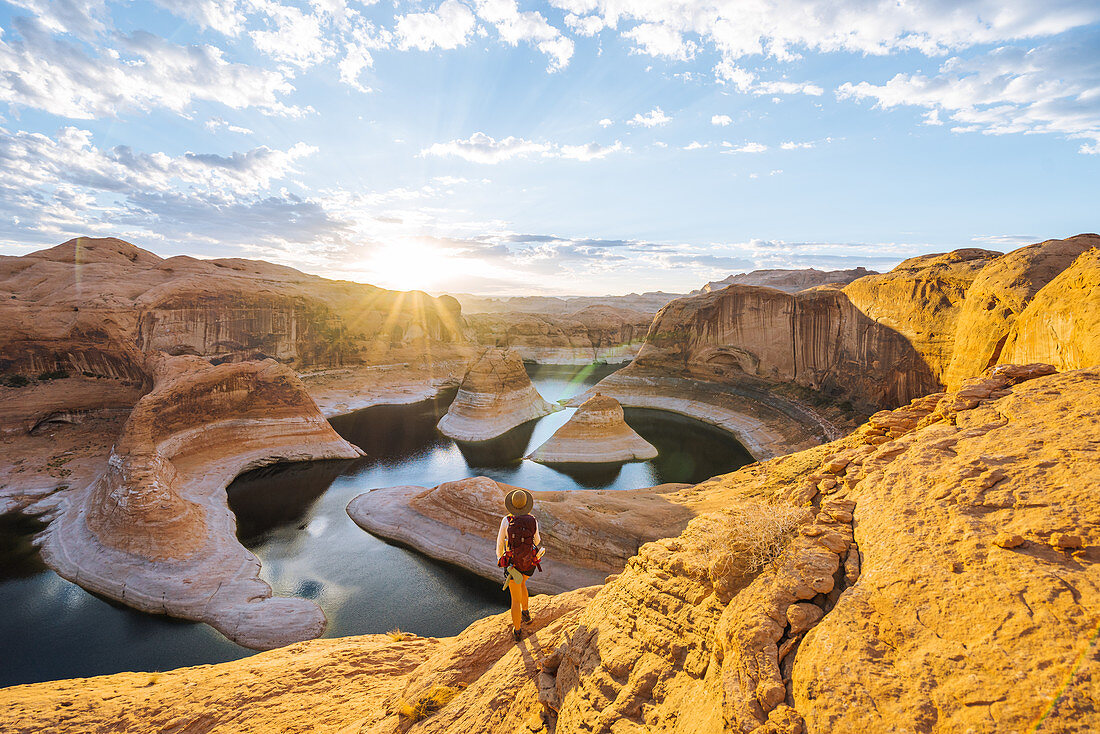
[[293, 518]]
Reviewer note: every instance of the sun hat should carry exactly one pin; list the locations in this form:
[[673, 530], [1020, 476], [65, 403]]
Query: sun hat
[[519, 501]]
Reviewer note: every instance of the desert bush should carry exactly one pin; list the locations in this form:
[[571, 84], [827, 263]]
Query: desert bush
[[14, 380], [428, 702], [53, 375], [749, 537]]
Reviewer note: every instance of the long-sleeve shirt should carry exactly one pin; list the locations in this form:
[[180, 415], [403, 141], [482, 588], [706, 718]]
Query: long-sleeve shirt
[[502, 536]]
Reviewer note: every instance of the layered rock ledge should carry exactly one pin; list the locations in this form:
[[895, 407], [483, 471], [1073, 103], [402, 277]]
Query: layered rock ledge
[[496, 395], [596, 433], [588, 534], [764, 422], [154, 531], [935, 571]]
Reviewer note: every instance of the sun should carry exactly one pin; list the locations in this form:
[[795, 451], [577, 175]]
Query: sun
[[409, 265]]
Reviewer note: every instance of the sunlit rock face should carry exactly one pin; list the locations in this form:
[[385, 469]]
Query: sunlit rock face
[[1061, 325], [887, 338], [496, 395], [595, 333], [596, 433], [1003, 290], [154, 531]]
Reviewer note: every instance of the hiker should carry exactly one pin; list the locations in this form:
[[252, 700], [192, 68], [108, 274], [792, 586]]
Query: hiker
[[518, 552]]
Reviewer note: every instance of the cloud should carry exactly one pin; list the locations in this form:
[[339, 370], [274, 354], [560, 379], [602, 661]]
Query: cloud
[[586, 26], [780, 29], [42, 72], [81, 18], [657, 39], [1053, 88], [746, 148], [217, 123], [292, 36], [448, 27], [721, 120], [589, 152], [727, 72], [515, 26], [792, 145], [653, 118], [481, 148], [694, 145], [1006, 240], [605, 122]]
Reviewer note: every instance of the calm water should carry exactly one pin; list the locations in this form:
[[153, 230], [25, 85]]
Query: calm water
[[293, 518]]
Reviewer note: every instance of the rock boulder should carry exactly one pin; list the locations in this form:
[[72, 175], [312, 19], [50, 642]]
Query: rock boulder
[[596, 433]]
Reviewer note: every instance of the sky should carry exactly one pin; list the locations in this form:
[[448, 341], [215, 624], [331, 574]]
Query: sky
[[575, 147]]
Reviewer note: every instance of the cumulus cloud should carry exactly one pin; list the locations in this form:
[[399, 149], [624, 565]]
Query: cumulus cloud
[[653, 118], [605, 122], [657, 39], [746, 81], [589, 152], [46, 73], [792, 145], [481, 148], [1052, 88], [694, 145], [721, 120], [448, 27], [515, 26]]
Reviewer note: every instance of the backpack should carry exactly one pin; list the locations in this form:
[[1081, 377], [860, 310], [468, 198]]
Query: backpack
[[521, 543]]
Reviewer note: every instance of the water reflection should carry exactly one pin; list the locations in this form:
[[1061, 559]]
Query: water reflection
[[504, 450]]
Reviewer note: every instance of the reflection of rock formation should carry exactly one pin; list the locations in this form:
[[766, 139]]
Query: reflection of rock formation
[[154, 531], [890, 581], [881, 340], [278, 495], [592, 334], [496, 396], [504, 450], [596, 433]]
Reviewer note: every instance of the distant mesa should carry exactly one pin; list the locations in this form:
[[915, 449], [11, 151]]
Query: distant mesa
[[789, 281], [596, 434], [496, 395]]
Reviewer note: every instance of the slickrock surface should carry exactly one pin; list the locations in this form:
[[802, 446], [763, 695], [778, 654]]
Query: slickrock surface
[[154, 531], [587, 534], [936, 571], [596, 433], [885, 339], [764, 422], [790, 281], [496, 395], [592, 334]]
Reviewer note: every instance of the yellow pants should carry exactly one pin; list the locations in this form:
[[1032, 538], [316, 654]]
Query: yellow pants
[[519, 600]]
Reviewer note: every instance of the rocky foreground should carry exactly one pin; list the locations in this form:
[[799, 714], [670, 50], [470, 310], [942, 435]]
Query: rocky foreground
[[935, 571]]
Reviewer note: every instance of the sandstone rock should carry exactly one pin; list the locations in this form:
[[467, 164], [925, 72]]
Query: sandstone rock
[[789, 281], [766, 424], [597, 333], [154, 531], [1008, 540], [925, 623], [1061, 324], [587, 533], [1000, 292], [596, 433], [496, 395]]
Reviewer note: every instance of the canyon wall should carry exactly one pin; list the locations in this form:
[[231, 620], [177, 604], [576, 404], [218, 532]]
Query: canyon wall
[[593, 334], [790, 281], [887, 338], [95, 306]]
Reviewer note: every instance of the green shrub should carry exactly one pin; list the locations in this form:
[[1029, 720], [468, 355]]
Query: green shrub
[[14, 380], [53, 375]]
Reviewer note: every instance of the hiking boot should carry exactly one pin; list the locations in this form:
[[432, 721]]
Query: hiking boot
[[516, 635], [525, 616]]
